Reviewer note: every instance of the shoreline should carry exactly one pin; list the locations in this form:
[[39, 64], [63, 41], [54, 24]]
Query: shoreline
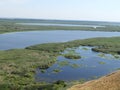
[[7, 32]]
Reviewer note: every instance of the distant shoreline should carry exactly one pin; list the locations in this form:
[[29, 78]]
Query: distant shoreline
[[9, 25]]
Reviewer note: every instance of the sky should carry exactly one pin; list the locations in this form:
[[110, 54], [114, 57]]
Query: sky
[[95, 10]]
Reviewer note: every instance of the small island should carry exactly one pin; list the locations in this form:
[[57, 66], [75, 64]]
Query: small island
[[72, 55]]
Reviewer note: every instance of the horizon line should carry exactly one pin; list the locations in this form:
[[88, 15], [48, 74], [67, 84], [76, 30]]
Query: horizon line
[[58, 19]]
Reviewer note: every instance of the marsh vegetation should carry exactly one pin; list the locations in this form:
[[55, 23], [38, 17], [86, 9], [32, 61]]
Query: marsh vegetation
[[18, 65], [71, 54]]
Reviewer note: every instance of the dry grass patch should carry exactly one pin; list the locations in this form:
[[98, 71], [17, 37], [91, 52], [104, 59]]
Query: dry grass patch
[[109, 82]]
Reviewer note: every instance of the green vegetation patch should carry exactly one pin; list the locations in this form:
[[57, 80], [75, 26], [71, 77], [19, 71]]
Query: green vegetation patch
[[58, 85], [17, 67], [63, 63], [102, 55], [118, 69], [101, 62], [43, 71], [75, 65], [71, 54], [116, 56], [85, 48], [57, 70]]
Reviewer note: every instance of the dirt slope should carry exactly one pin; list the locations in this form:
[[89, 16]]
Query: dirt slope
[[109, 82]]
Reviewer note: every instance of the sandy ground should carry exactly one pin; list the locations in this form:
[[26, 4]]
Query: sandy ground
[[108, 82]]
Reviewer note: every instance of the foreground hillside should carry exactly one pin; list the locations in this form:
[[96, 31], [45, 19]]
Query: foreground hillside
[[109, 82]]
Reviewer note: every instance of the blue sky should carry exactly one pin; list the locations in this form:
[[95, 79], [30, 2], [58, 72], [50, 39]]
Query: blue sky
[[97, 10]]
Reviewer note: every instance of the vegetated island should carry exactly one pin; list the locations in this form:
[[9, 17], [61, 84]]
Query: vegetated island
[[17, 66], [71, 54]]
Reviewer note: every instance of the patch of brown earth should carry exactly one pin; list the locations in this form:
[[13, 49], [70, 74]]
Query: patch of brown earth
[[109, 82]]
